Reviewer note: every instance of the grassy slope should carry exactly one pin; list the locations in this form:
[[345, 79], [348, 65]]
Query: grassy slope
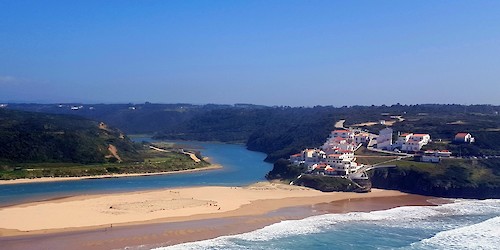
[[153, 162], [45, 145]]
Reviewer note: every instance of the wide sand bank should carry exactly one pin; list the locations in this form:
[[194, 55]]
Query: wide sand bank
[[171, 216], [168, 205]]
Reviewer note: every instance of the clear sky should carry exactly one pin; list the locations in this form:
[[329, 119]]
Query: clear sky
[[263, 52]]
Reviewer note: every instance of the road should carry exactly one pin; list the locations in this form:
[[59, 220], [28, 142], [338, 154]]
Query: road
[[340, 124]]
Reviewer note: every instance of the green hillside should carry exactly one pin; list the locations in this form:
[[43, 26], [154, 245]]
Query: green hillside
[[27, 137], [280, 131]]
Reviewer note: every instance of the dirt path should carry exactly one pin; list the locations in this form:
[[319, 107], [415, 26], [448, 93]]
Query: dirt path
[[114, 152], [191, 155]]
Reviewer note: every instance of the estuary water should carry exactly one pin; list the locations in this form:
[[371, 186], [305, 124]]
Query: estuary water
[[240, 167], [462, 224]]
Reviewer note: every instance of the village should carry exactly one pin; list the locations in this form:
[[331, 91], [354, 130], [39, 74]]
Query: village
[[336, 157]]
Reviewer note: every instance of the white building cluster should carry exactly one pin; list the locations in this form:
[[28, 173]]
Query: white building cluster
[[407, 142], [336, 156]]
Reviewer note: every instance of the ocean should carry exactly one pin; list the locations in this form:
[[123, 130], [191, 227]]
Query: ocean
[[461, 224]]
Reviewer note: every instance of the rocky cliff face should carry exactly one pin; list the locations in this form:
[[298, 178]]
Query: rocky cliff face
[[413, 181]]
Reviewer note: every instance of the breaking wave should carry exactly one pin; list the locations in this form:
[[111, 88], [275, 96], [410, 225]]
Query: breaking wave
[[444, 230]]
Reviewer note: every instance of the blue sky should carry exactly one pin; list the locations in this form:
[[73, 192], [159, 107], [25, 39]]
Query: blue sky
[[298, 53]]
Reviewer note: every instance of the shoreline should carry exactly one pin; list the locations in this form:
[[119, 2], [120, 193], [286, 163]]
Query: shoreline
[[87, 212], [177, 230], [56, 179]]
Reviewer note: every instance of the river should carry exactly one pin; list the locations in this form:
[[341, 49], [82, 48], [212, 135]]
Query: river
[[240, 167]]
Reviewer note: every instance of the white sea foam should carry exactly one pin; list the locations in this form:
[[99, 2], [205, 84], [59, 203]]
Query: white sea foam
[[403, 217], [483, 235]]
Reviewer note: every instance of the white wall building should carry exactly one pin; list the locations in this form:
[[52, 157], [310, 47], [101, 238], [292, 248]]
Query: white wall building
[[414, 142], [434, 156], [308, 156], [384, 139], [361, 137], [336, 156], [343, 133]]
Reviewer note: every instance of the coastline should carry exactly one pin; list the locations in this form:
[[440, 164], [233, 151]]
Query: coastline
[[86, 212], [204, 224], [55, 179]]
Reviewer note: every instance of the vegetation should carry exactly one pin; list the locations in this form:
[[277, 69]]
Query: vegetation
[[469, 178], [285, 171], [36, 145], [282, 131], [326, 183], [153, 162], [34, 137]]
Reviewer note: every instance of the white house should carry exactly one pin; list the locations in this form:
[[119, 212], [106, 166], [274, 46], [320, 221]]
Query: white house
[[361, 137], [384, 139], [308, 156], [424, 138], [464, 138], [343, 133], [297, 158], [336, 156], [414, 142], [434, 156], [402, 139]]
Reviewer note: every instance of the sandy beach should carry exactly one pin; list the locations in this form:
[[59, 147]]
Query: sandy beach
[[177, 215], [54, 179], [168, 205]]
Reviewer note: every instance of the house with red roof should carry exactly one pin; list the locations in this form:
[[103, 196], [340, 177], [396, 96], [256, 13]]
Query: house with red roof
[[335, 157], [463, 138]]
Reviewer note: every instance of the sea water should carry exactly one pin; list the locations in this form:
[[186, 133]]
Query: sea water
[[240, 167], [462, 224]]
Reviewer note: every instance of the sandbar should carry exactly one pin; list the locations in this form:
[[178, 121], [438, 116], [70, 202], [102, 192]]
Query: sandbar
[[54, 179], [166, 205], [149, 219]]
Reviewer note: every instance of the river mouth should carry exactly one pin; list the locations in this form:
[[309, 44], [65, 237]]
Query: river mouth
[[240, 167]]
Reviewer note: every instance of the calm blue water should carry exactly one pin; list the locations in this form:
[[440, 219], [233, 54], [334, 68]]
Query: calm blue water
[[241, 167], [464, 224]]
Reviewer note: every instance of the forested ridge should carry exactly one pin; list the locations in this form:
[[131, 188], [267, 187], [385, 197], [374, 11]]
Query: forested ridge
[[37, 137], [281, 131], [278, 132]]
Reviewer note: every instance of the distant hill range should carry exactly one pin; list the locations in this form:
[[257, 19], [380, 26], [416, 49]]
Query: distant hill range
[[276, 131], [29, 137], [281, 131]]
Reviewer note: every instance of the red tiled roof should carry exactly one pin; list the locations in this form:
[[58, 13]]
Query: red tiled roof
[[345, 151], [461, 135], [420, 134], [342, 131], [334, 155]]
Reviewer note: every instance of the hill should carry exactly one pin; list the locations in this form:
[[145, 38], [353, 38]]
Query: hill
[[462, 178], [281, 131], [27, 137]]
